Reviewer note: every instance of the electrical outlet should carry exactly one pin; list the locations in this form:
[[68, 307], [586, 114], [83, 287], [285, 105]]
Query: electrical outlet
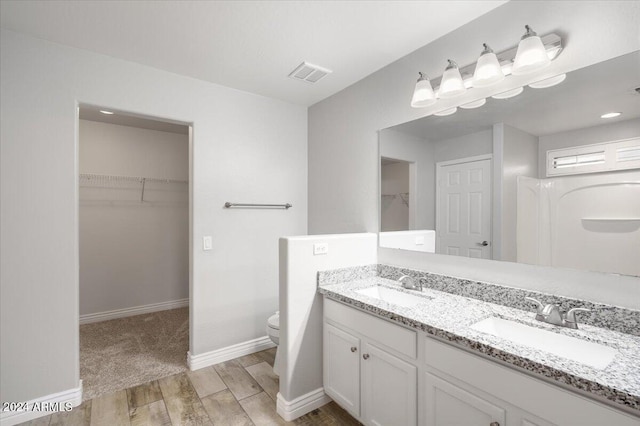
[[207, 242], [320, 248]]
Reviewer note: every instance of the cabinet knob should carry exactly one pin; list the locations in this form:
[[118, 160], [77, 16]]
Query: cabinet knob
[[353, 349], [494, 424], [366, 356]]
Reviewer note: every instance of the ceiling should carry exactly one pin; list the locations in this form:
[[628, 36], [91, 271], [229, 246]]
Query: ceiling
[[248, 45], [576, 103], [91, 113]]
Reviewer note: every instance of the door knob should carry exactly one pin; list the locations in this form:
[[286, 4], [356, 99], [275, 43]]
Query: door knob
[[353, 349], [494, 424], [484, 244], [365, 356]]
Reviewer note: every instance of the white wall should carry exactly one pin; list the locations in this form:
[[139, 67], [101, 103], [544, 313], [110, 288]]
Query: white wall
[[607, 132], [132, 253], [343, 128], [402, 146], [301, 306], [519, 158], [471, 145], [394, 180], [246, 148]]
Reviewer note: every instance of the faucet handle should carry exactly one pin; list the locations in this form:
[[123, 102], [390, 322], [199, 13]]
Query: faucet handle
[[537, 302], [539, 308], [570, 316]]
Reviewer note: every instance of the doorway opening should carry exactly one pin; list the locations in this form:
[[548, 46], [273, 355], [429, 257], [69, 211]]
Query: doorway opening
[[397, 203], [134, 248]]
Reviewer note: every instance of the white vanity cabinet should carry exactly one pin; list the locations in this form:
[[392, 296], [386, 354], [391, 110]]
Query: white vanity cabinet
[[484, 392], [362, 374]]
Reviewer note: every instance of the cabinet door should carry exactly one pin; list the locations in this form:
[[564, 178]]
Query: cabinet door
[[342, 368], [450, 405], [389, 389]]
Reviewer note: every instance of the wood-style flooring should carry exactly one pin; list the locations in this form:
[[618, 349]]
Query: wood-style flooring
[[238, 392]]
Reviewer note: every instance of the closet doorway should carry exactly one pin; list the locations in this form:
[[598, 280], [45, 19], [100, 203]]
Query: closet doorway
[[134, 249]]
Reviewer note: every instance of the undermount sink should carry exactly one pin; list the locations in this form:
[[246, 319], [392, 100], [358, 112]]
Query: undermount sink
[[392, 296], [589, 353]]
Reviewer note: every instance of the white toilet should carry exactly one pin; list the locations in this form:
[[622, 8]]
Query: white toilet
[[273, 331]]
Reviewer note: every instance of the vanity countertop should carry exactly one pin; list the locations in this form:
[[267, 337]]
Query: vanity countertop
[[449, 317]]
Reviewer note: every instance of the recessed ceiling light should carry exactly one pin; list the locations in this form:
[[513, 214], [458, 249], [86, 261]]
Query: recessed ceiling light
[[610, 115], [446, 112], [106, 112]]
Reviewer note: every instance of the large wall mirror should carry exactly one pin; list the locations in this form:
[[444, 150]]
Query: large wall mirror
[[539, 178]]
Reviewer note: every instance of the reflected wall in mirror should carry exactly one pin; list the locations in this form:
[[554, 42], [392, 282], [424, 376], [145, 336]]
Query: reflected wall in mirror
[[539, 178]]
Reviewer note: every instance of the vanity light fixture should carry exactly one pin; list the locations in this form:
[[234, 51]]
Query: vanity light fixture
[[446, 112], [488, 70], [451, 84], [509, 93], [474, 104], [531, 55], [423, 94], [611, 115], [106, 112], [548, 82]]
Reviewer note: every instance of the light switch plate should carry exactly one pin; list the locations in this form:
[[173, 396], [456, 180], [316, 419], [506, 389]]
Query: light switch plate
[[320, 248], [207, 242]]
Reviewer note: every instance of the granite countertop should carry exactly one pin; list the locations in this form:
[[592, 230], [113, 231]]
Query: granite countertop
[[450, 317]]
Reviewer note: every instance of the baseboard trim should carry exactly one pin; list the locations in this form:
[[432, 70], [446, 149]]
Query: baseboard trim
[[196, 362], [291, 410], [37, 407], [135, 310]]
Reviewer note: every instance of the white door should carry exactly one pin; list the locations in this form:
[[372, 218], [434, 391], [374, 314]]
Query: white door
[[463, 221], [342, 368], [389, 389], [450, 405]]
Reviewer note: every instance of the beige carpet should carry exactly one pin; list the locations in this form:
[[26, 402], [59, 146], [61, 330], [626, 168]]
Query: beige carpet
[[126, 352]]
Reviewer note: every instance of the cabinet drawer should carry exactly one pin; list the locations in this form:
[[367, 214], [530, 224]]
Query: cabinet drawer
[[395, 337]]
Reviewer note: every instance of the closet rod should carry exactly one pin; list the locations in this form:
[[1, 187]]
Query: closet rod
[[268, 206]]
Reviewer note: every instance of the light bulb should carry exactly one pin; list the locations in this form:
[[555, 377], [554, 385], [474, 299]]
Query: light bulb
[[451, 84], [446, 112], [508, 94], [474, 104], [423, 94], [548, 82], [488, 70], [531, 55]]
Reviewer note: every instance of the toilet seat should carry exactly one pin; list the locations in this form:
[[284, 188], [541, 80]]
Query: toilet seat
[[273, 328]]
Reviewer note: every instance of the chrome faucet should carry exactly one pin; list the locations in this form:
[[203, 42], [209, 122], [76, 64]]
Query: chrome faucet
[[410, 283], [552, 314]]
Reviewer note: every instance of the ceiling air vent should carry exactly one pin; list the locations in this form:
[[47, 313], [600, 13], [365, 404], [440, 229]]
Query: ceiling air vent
[[309, 72]]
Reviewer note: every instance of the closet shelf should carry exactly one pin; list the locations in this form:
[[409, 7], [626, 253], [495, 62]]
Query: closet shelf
[[127, 184], [95, 178], [612, 219]]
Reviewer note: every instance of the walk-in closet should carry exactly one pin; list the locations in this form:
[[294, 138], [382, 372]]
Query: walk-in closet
[[134, 249]]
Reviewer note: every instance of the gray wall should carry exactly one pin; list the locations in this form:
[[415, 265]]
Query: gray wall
[[246, 148], [343, 128], [133, 253], [607, 132], [471, 145], [519, 158]]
